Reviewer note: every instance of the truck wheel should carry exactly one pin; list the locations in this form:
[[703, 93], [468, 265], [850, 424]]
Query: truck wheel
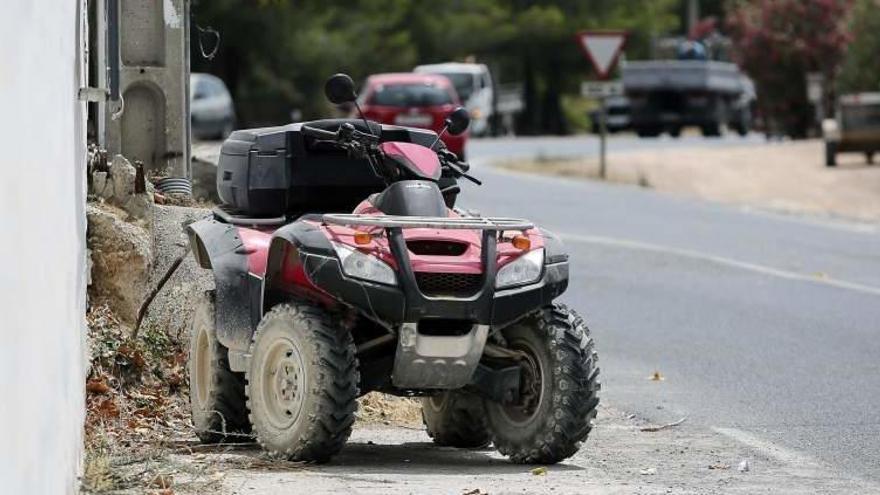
[[216, 394], [830, 154], [455, 419], [869, 157], [302, 383], [675, 131], [711, 130], [647, 132], [558, 391]]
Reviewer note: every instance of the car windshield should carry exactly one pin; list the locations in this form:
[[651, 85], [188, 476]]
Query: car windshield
[[861, 116], [410, 95], [463, 82]]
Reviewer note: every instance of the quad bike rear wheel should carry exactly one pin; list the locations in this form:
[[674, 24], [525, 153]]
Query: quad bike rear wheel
[[302, 383], [558, 389], [216, 393], [455, 419]]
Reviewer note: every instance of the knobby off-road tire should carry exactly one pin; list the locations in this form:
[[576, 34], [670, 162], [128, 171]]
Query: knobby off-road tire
[[216, 393], [455, 419], [554, 417], [302, 383]]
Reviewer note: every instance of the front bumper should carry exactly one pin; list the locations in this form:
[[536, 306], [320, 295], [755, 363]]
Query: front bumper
[[394, 305], [425, 359]]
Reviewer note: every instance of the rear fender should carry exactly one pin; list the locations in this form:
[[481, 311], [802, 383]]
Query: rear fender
[[218, 247], [285, 272]]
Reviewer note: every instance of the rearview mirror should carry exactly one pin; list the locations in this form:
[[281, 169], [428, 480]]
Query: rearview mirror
[[458, 121], [340, 89]]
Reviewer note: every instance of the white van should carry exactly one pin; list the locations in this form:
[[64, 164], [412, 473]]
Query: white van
[[473, 83]]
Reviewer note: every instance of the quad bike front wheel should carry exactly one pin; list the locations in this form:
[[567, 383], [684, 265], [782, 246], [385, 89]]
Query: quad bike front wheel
[[302, 383], [216, 393], [558, 389], [455, 419]]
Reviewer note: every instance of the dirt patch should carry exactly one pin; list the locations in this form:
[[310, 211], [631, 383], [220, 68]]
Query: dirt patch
[[788, 176], [171, 310], [377, 408]]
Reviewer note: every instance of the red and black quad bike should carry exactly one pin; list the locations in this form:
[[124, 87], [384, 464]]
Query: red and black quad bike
[[314, 306]]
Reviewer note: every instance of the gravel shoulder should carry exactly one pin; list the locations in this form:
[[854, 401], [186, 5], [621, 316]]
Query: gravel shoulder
[[618, 458], [787, 176]]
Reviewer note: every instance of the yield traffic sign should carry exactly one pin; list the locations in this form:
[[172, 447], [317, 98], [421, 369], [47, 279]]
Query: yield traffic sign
[[602, 48]]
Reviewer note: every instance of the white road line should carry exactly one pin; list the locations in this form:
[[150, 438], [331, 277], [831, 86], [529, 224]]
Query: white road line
[[769, 449], [720, 260], [800, 463]]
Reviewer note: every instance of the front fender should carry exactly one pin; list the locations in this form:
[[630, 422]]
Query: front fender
[[218, 247], [285, 272]]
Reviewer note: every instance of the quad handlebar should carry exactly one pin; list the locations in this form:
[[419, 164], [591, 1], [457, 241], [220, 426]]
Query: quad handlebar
[[318, 133], [365, 144]]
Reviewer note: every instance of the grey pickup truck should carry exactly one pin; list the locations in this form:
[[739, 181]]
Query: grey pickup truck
[[855, 129]]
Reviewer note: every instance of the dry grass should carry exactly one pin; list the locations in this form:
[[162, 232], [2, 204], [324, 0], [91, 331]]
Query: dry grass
[[377, 408], [136, 412]]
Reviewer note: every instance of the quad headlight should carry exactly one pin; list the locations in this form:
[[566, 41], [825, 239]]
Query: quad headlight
[[364, 266], [524, 270]]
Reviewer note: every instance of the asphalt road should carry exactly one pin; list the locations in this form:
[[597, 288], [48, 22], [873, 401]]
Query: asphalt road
[[764, 326]]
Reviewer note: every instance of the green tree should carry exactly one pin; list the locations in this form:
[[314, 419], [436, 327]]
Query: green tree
[[861, 71], [275, 54]]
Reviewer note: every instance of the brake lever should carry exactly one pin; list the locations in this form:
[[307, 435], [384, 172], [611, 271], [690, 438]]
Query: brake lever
[[472, 179], [458, 170]]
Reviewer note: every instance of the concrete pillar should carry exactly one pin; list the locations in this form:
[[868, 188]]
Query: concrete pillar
[[150, 123]]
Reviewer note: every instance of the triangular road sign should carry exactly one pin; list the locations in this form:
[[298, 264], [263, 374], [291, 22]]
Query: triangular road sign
[[602, 48]]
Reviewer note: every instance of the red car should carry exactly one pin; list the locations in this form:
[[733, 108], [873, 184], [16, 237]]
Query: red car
[[413, 100]]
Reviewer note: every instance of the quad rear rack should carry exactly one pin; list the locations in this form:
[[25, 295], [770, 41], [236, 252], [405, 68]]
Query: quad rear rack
[[406, 222]]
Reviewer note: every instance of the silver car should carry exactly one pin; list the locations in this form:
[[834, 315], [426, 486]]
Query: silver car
[[211, 109]]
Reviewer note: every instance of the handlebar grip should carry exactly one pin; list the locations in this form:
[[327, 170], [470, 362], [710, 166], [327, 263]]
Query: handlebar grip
[[318, 133]]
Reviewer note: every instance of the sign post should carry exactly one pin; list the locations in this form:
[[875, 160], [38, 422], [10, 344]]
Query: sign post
[[602, 49]]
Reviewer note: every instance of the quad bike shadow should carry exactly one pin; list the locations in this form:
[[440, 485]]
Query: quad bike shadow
[[419, 457], [424, 458], [343, 266]]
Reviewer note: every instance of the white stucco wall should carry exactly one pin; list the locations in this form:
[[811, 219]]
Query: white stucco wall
[[42, 243]]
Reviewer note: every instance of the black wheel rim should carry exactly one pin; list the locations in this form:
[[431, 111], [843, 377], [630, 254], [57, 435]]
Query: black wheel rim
[[531, 386]]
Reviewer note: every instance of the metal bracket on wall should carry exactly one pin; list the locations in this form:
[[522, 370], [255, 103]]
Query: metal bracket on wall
[[96, 95]]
